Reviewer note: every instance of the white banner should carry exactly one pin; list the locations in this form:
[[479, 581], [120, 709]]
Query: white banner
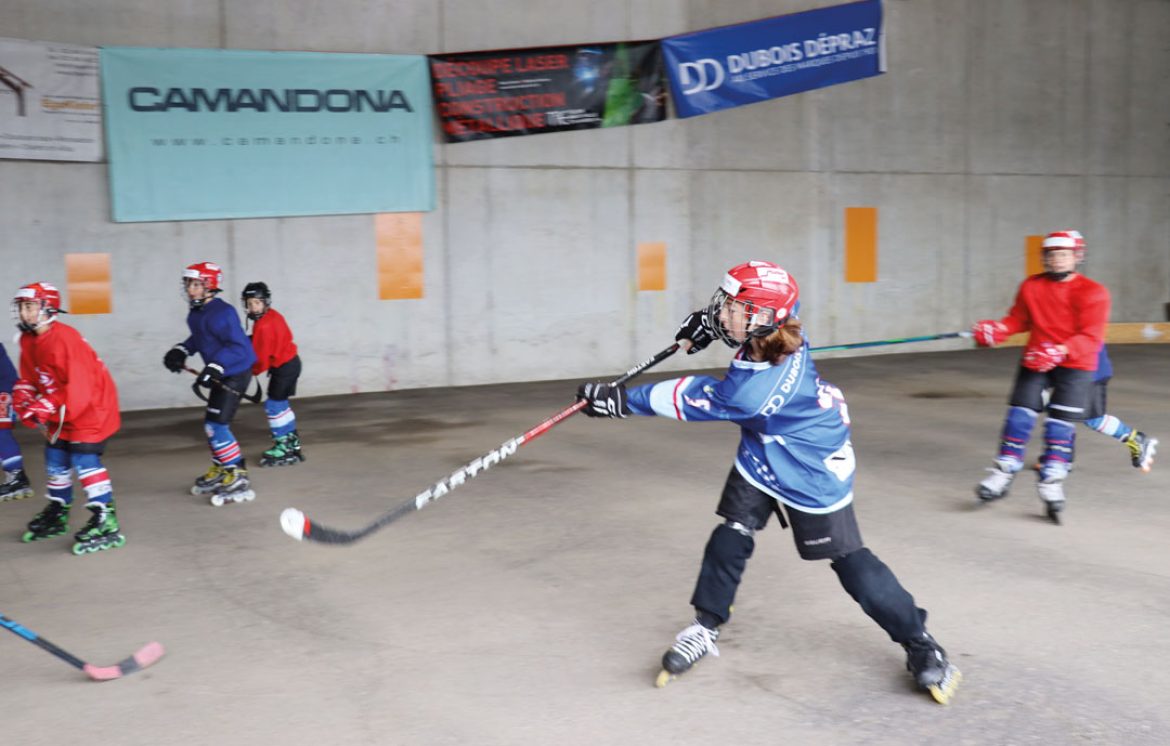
[[50, 108]]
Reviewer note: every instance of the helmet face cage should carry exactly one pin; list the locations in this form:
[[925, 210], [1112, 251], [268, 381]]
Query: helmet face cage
[[759, 295], [46, 295], [260, 291], [759, 321], [206, 272]]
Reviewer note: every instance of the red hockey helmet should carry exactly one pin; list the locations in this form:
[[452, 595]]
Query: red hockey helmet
[[209, 274], [49, 298], [1065, 240], [766, 292]]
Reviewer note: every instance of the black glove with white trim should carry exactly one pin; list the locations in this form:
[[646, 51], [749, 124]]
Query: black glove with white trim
[[211, 375], [604, 400], [697, 330]]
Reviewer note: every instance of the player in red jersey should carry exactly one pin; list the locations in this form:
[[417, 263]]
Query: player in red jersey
[[1064, 314], [65, 389], [276, 353]]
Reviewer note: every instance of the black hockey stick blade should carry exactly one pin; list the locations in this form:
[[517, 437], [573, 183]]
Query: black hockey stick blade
[[297, 525], [147, 655]]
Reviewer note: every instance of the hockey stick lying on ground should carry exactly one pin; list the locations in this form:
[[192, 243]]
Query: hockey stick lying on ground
[[149, 654], [297, 525], [254, 397], [883, 342]]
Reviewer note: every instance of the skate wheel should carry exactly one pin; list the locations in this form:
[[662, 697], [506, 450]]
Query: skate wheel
[[944, 691], [119, 542], [196, 491], [217, 500], [663, 679], [80, 549], [28, 537]]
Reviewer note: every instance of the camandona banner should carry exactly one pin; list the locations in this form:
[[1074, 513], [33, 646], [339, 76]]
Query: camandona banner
[[196, 134], [504, 93]]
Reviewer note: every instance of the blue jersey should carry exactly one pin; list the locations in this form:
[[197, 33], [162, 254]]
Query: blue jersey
[[7, 372], [1104, 366], [794, 428], [217, 336]]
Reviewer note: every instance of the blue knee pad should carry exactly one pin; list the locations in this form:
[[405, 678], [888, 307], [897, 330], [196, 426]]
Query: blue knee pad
[[1017, 429], [1059, 442], [281, 420]]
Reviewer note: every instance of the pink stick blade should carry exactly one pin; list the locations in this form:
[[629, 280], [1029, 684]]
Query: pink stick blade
[[148, 655]]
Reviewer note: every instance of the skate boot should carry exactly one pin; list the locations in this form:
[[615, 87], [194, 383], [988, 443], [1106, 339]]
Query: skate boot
[[690, 645], [927, 663], [102, 531], [1051, 493], [15, 487], [999, 481], [285, 451], [235, 487], [1141, 450], [50, 522], [207, 483]]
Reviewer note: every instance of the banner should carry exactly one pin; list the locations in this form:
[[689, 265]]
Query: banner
[[198, 133], [750, 62], [479, 95], [49, 106]]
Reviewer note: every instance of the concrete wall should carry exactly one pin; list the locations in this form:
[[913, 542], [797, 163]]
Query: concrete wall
[[997, 119]]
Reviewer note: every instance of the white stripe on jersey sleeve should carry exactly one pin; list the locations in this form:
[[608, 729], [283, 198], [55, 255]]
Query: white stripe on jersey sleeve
[[666, 398]]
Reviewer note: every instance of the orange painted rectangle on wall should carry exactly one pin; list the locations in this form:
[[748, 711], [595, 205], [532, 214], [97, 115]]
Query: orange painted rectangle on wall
[[398, 236], [1033, 255], [652, 266], [87, 283], [861, 244]]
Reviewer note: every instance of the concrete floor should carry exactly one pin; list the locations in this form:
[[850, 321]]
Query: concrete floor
[[531, 606]]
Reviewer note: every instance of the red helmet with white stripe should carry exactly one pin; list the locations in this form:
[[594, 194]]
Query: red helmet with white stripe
[[766, 294], [1065, 240], [49, 298], [209, 274]]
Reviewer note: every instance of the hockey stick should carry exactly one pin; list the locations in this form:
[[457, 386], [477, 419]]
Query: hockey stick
[[147, 655], [898, 341], [297, 525], [44, 427], [254, 397]]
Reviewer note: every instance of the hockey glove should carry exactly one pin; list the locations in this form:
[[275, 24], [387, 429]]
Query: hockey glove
[[989, 333], [603, 400], [176, 358], [697, 330], [23, 392], [35, 411], [1044, 358], [211, 375]]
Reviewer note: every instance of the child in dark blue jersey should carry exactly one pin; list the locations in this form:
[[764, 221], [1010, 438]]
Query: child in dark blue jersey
[[14, 484], [218, 337], [795, 459], [1141, 447]]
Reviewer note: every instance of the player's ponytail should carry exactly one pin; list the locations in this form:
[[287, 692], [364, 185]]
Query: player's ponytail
[[786, 340]]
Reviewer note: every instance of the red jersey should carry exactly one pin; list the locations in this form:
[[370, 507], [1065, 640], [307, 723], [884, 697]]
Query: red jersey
[[273, 342], [1071, 313], [65, 369]]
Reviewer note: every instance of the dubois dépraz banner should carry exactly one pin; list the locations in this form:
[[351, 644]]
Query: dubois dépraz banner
[[503, 93], [750, 62], [207, 133]]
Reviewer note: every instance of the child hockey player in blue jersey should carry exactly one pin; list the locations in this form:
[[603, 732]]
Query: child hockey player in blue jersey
[[216, 335], [14, 484], [794, 459], [1141, 447]]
